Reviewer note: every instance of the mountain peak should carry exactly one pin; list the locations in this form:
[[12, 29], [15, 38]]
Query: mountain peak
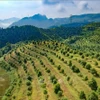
[[39, 17]]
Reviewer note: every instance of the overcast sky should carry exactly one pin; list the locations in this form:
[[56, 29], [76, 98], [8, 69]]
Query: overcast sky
[[50, 8]]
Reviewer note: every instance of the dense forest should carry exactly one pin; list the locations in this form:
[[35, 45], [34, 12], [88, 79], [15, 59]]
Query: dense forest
[[16, 34]]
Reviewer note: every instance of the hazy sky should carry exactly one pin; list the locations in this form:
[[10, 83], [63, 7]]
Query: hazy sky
[[50, 8]]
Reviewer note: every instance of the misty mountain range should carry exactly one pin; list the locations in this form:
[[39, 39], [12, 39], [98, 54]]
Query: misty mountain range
[[6, 22], [41, 21]]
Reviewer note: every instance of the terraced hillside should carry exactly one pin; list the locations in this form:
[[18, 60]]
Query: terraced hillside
[[51, 71]]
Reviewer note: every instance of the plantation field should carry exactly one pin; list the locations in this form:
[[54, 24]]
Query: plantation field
[[51, 71]]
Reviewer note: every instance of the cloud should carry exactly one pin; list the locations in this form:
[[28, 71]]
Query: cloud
[[62, 10], [51, 2], [22, 8], [84, 5], [54, 2], [59, 7], [50, 8]]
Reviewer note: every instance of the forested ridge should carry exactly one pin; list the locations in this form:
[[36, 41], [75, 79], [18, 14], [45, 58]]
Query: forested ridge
[[16, 34]]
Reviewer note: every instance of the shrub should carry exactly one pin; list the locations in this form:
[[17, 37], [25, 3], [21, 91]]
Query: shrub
[[41, 62], [51, 60], [85, 78], [28, 83], [96, 63], [62, 71], [59, 57], [68, 78], [54, 81], [83, 63], [30, 88], [71, 56], [57, 88], [82, 56], [59, 67], [70, 63], [29, 93], [65, 62], [29, 78], [82, 95], [88, 66], [93, 96], [93, 71], [80, 53], [62, 59], [14, 97], [60, 93], [45, 91], [75, 69], [25, 61], [48, 70], [93, 84], [39, 74], [68, 54]]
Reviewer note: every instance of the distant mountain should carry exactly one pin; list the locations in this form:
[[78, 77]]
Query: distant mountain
[[41, 21], [6, 22], [84, 18]]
